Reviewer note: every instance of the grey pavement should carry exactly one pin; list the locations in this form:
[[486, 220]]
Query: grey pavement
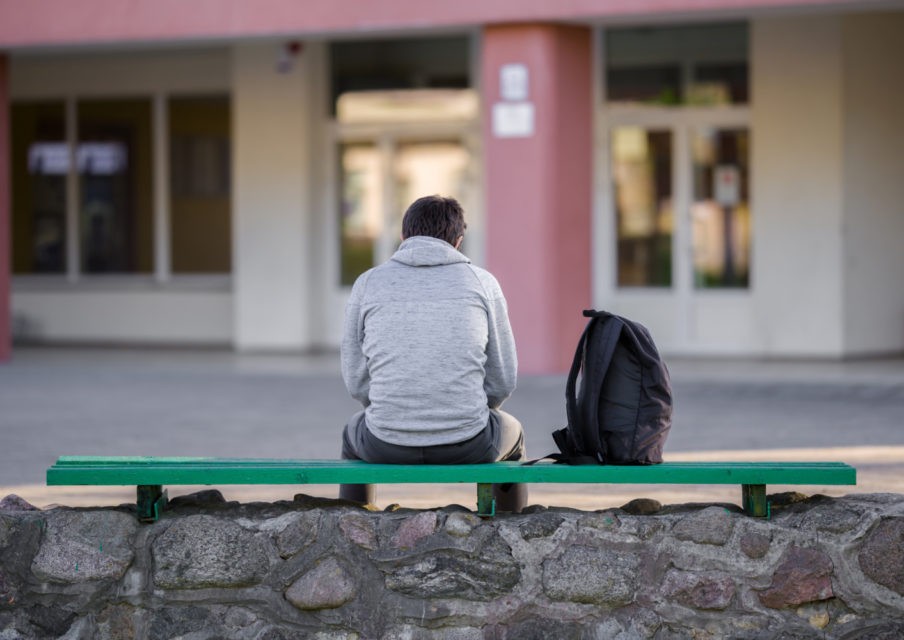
[[71, 401]]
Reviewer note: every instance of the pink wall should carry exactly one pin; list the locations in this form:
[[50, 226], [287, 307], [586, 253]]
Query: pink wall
[[5, 205], [539, 189], [51, 22]]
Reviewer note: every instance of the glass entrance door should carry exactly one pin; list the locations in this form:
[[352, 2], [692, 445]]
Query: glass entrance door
[[673, 247], [676, 226], [379, 179]]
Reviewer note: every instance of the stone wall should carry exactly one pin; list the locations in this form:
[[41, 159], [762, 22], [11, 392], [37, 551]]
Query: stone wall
[[819, 568]]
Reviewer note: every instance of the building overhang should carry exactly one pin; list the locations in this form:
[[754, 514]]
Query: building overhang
[[48, 23]]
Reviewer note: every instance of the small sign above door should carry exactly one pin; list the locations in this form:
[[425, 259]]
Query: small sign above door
[[727, 185], [513, 82]]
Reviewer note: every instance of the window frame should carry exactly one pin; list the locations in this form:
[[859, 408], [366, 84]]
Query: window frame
[[161, 274]]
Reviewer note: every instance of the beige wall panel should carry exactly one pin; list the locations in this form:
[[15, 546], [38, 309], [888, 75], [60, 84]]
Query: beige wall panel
[[797, 170], [874, 183], [272, 190], [127, 316]]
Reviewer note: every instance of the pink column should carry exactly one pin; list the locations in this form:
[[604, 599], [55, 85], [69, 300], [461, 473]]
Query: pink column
[[5, 218], [539, 184]]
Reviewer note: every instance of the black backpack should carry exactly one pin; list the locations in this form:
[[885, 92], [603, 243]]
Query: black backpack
[[622, 411]]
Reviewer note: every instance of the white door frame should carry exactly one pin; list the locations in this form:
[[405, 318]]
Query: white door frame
[[387, 138], [681, 296]]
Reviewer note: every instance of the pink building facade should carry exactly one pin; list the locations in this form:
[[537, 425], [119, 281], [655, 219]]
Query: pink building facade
[[217, 173]]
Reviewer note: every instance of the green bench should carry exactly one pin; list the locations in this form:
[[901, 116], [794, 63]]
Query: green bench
[[151, 474]]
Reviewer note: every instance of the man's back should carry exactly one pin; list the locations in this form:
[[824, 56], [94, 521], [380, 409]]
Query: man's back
[[427, 345], [427, 349]]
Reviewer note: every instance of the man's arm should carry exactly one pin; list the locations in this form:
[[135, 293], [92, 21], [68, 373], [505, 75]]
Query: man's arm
[[352, 359], [502, 360]]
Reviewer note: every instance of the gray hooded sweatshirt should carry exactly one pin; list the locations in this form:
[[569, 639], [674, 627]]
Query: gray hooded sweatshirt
[[427, 347]]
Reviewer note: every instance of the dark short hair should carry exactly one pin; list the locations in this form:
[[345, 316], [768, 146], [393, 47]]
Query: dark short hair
[[435, 216]]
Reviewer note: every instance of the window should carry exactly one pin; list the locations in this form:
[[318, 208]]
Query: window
[[111, 166], [200, 222], [40, 163], [113, 160], [642, 172], [385, 65], [701, 65]]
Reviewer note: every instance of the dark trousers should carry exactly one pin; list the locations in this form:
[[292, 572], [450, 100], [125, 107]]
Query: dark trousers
[[502, 439]]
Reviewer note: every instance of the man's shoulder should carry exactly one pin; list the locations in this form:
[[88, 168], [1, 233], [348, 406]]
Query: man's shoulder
[[487, 281], [360, 284]]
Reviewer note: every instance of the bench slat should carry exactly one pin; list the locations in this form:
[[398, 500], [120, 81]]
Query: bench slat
[[90, 470]]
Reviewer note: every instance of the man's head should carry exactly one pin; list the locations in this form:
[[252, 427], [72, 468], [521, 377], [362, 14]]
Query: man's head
[[436, 217]]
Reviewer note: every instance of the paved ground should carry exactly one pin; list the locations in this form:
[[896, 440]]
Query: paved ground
[[144, 402]]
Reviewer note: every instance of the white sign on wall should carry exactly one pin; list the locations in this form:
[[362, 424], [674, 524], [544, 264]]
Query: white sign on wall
[[513, 82], [513, 116], [513, 119], [727, 185]]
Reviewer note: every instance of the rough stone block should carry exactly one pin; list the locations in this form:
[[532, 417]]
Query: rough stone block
[[326, 586], [12, 502], [642, 507], [601, 521], [591, 575], [198, 499], [359, 530], [203, 551], [482, 574], [85, 545], [38, 622], [874, 630], [461, 524], [754, 545], [712, 525], [8, 591], [535, 628], [195, 622], [704, 590], [118, 622], [833, 516], [410, 632], [414, 529], [881, 557], [20, 539], [541, 525], [803, 575], [300, 533]]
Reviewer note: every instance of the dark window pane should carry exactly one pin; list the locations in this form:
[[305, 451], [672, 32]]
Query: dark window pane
[[642, 171], [720, 84], [411, 63], [114, 162], [721, 208], [200, 193], [697, 64], [658, 85], [40, 163], [361, 208]]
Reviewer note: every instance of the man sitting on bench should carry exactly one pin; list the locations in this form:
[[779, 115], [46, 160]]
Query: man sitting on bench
[[428, 350]]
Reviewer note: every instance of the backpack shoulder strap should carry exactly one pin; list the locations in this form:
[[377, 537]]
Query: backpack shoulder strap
[[571, 404], [581, 442]]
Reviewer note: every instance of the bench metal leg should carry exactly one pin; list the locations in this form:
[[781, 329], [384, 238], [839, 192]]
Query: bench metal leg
[[151, 501], [753, 497], [486, 503]]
